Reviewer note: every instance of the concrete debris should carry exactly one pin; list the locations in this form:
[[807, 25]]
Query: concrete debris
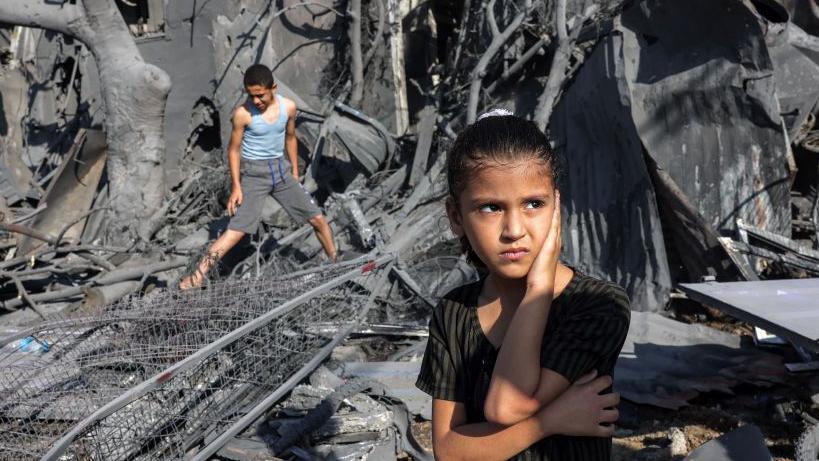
[[398, 378], [321, 421], [363, 235], [240, 449], [349, 420], [679, 446], [744, 443], [667, 363], [353, 353]]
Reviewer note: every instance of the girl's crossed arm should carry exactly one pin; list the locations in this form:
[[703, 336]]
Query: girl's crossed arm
[[578, 411]]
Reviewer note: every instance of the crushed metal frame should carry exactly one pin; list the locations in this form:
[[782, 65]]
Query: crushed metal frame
[[253, 398]]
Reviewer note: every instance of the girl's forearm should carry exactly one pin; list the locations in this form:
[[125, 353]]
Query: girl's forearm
[[516, 376], [489, 441]]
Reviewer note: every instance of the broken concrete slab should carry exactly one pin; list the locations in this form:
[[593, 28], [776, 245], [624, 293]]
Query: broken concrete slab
[[186, 53], [241, 449], [399, 380], [383, 449]]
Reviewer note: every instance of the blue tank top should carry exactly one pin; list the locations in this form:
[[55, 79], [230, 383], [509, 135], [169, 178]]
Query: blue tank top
[[262, 140]]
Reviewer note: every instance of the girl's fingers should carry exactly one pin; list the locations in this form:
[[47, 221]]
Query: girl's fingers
[[605, 431], [554, 226], [548, 252], [587, 377], [559, 224], [609, 416], [543, 268], [601, 383], [610, 400]]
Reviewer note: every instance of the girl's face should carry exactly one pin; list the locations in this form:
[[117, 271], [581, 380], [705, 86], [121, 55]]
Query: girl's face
[[505, 211]]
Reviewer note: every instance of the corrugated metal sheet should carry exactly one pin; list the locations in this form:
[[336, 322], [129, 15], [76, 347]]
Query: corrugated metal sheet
[[697, 93], [703, 99], [611, 225], [788, 308]]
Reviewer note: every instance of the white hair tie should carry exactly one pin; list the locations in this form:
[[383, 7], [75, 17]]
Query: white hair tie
[[499, 112]]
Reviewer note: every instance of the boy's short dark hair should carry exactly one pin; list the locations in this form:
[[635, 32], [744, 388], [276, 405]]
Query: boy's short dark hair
[[258, 74]]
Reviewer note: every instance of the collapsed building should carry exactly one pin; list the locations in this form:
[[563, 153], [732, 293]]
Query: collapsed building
[[690, 154]]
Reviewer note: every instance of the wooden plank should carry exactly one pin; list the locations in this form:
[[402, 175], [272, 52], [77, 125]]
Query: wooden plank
[[70, 194], [426, 128]]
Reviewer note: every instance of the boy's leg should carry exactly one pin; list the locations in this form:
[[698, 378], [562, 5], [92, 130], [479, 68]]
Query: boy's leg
[[324, 235], [256, 184], [217, 250], [298, 203]]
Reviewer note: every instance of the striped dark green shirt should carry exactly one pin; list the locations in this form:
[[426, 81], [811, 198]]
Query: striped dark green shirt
[[586, 329]]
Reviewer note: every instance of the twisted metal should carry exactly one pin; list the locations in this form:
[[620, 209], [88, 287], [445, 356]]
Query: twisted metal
[[159, 376]]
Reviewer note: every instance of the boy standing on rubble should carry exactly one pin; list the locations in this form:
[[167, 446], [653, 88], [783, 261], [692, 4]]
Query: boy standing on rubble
[[264, 128]]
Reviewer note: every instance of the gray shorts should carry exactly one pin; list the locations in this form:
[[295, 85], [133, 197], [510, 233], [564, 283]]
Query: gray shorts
[[262, 177]]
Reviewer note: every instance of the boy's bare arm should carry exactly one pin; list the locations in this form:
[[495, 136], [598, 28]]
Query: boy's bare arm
[[241, 118], [519, 386], [290, 141]]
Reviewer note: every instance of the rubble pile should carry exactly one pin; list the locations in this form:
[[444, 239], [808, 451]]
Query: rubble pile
[[690, 149]]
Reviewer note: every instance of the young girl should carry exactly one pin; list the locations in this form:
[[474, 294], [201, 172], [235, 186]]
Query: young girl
[[511, 359]]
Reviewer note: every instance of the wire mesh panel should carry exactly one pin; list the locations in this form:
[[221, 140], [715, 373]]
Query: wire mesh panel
[[154, 377]]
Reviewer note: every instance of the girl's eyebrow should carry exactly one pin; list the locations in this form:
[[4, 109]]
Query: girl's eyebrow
[[543, 197], [484, 199]]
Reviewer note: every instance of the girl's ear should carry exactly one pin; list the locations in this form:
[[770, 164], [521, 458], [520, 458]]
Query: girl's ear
[[454, 215]]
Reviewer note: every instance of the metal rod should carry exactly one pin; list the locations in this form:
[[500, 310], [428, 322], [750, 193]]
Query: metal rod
[[274, 397], [154, 382]]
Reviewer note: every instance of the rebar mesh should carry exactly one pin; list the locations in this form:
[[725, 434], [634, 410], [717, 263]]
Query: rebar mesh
[[93, 360]]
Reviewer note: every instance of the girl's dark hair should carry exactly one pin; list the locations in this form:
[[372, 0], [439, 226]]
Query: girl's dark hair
[[497, 140], [258, 74], [500, 139]]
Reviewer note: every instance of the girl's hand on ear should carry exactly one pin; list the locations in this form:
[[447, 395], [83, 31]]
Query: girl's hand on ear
[[541, 275]]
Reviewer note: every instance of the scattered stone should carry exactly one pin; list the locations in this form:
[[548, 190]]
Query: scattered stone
[[352, 353], [679, 445]]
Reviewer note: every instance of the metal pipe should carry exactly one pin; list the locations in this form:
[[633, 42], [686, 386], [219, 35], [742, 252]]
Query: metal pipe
[[156, 381]]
